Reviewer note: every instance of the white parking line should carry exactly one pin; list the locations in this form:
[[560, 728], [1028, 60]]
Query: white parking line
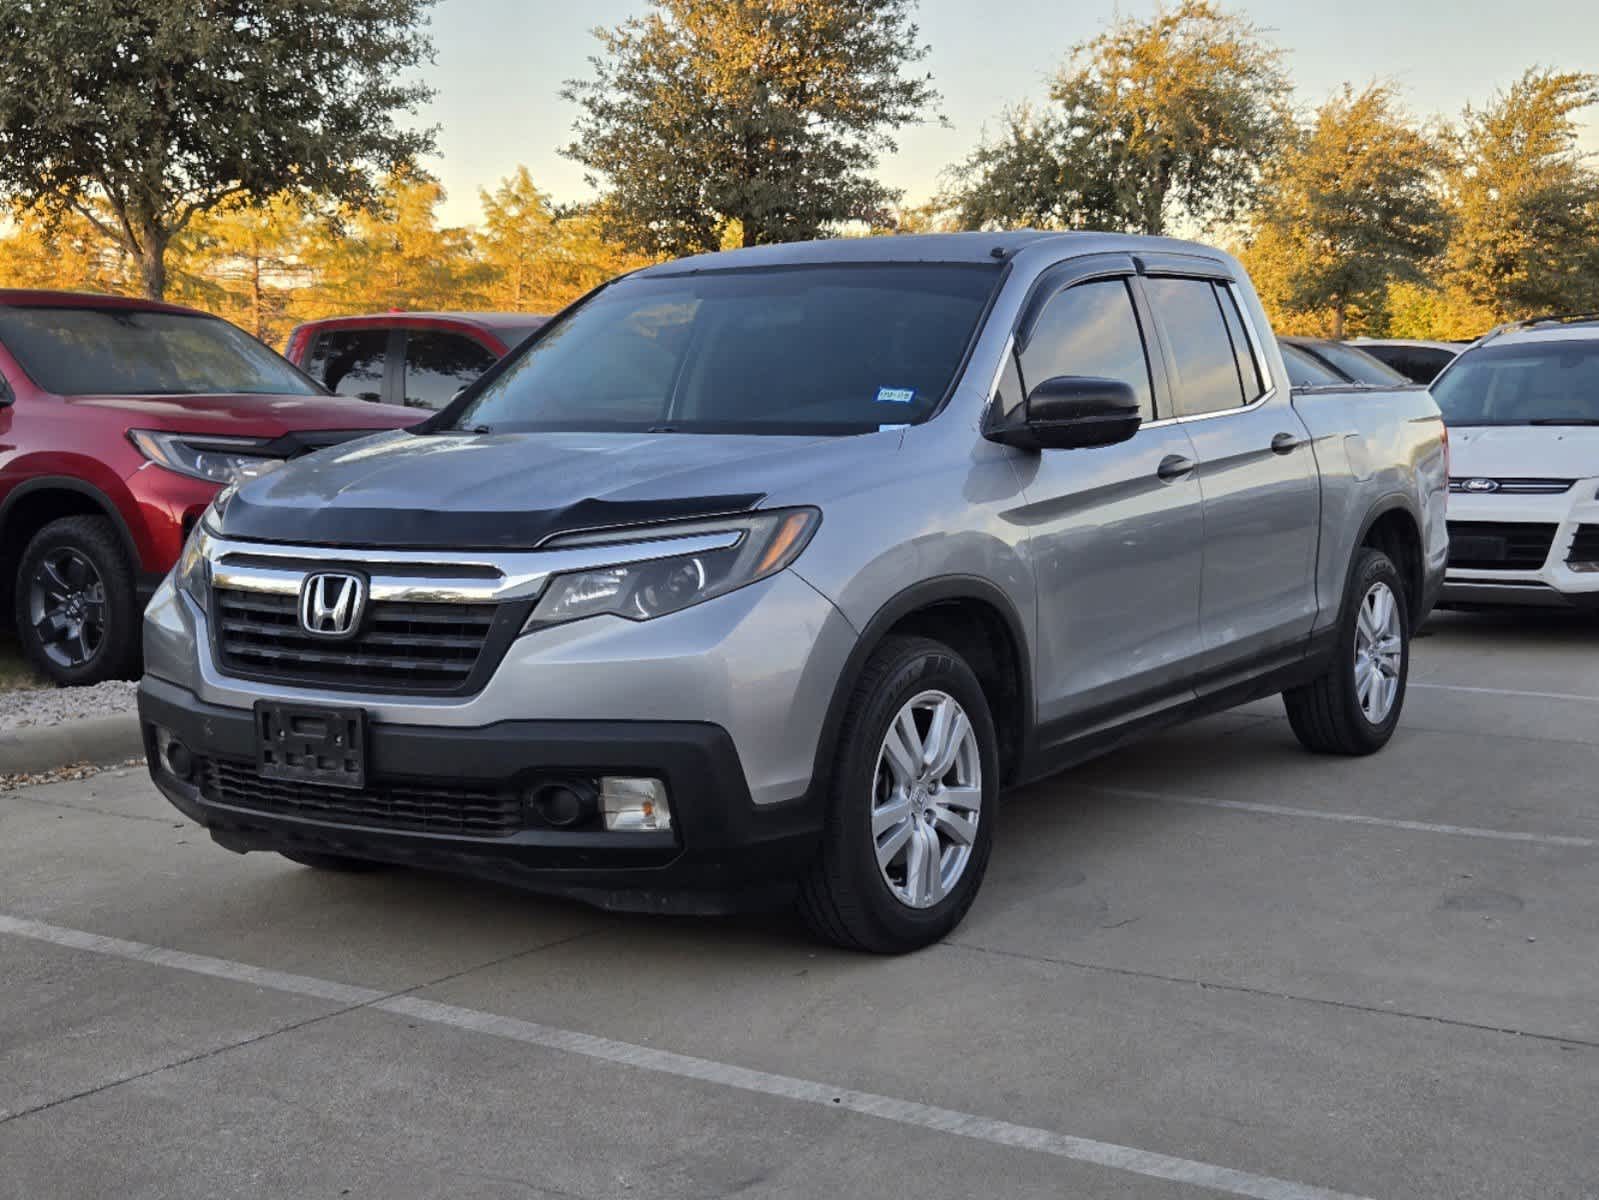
[[1348, 818], [1487, 691], [646, 1058]]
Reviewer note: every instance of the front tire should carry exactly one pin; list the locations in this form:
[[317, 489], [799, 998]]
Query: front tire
[[76, 608], [1354, 707], [911, 803]]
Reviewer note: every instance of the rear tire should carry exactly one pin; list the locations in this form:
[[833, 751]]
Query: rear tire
[[75, 605], [911, 804], [332, 862], [1354, 707]]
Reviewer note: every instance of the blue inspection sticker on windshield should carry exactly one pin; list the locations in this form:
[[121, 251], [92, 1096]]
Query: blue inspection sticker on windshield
[[896, 395]]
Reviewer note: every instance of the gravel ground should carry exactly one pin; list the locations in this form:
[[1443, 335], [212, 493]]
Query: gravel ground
[[67, 774], [23, 709]]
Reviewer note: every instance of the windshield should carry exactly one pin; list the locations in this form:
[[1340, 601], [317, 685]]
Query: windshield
[[1359, 366], [1305, 370], [132, 352], [797, 350], [1534, 383]]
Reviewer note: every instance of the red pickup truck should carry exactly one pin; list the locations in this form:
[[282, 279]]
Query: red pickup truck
[[418, 359], [120, 419]]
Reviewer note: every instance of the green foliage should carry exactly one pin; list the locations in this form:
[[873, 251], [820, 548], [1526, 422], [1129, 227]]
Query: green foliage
[[140, 116], [1349, 209], [1525, 202], [768, 114], [1172, 117]]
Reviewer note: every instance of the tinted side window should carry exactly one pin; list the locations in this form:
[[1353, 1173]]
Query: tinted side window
[[437, 365], [1205, 366], [350, 361], [1090, 329], [1248, 366]]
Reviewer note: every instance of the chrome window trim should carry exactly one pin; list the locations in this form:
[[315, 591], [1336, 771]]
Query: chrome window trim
[[521, 574], [1255, 349]]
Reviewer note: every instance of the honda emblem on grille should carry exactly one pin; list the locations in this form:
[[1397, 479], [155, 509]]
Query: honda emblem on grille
[[1481, 485], [331, 604]]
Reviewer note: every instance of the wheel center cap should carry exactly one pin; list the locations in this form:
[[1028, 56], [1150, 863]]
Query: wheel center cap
[[919, 796]]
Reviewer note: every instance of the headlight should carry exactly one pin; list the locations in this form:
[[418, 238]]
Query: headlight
[[768, 542], [192, 575], [214, 512], [214, 459]]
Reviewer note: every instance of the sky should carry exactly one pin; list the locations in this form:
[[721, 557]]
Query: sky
[[500, 65]]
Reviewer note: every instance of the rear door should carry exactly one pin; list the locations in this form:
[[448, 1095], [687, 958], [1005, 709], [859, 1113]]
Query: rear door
[[1115, 532], [1262, 495]]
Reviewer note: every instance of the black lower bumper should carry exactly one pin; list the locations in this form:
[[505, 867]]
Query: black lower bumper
[[723, 852]]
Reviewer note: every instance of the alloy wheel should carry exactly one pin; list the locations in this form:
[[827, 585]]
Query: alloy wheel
[[927, 799], [67, 607], [1379, 653]]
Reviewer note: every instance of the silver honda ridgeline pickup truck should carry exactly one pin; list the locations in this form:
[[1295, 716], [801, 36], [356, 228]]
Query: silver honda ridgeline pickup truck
[[763, 574]]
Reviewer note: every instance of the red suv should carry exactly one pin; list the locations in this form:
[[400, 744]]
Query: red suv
[[119, 421], [419, 360]]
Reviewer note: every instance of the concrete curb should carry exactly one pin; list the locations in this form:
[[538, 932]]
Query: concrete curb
[[98, 740]]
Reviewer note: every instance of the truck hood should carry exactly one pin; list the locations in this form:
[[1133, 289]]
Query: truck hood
[[1524, 451], [510, 491], [250, 414]]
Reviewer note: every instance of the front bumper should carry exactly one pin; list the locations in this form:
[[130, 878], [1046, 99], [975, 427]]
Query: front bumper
[[724, 852], [1568, 576]]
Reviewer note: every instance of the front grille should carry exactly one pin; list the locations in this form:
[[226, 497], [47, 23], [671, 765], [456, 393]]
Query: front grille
[[1499, 545], [466, 812], [400, 647], [1585, 546], [1513, 487]]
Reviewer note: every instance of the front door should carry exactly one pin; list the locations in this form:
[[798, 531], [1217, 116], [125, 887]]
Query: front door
[[1116, 532]]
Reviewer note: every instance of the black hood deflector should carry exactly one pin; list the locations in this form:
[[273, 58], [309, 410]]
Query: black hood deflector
[[435, 529]]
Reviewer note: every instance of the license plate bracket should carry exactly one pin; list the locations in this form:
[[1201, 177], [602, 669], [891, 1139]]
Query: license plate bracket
[[311, 744]]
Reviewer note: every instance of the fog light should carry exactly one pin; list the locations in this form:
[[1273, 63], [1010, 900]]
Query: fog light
[[564, 803], [172, 755], [633, 805]]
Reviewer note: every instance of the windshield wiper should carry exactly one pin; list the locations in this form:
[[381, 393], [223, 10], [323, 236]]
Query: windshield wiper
[[1564, 421]]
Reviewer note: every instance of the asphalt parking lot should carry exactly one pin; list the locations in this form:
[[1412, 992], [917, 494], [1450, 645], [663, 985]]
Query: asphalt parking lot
[[1207, 965]]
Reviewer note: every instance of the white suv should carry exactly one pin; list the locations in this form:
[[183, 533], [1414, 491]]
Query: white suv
[[1522, 406]]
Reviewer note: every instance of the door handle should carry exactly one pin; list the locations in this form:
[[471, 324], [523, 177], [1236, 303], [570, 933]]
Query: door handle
[[1285, 443], [1174, 466]]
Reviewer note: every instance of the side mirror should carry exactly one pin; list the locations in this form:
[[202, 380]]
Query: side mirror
[[7, 396], [1073, 412]]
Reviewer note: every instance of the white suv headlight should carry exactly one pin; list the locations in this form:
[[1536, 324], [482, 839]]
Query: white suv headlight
[[768, 542]]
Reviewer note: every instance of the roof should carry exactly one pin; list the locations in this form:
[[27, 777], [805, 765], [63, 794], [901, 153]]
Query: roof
[[923, 247], [1571, 329], [483, 320], [39, 298], [1452, 347]]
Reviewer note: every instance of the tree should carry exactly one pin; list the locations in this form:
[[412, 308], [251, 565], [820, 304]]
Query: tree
[[67, 254], [1151, 121], [139, 117], [1525, 202], [1350, 208], [517, 243], [393, 255], [536, 259], [245, 262], [768, 113]]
